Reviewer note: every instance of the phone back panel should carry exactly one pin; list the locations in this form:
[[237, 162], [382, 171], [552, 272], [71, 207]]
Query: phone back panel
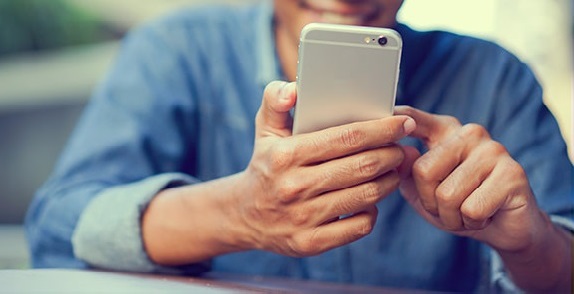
[[344, 75]]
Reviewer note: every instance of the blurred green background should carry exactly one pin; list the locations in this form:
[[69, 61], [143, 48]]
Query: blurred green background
[[32, 25]]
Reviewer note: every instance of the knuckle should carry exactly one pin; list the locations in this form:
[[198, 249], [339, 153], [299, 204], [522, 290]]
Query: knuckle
[[300, 218], [281, 157], [446, 195], [514, 170], [288, 191], [367, 165], [475, 213], [303, 245], [473, 130], [422, 170], [450, 120], [497, 148], [372, 192], [352, 137]]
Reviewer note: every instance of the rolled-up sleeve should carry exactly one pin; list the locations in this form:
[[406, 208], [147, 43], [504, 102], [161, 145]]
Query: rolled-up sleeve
[[108, 234]]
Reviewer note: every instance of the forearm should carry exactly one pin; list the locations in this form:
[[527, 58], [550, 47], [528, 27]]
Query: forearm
[[193, 223], [546, 266]]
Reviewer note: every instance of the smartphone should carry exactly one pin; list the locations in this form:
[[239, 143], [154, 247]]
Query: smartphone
[[345, 74]]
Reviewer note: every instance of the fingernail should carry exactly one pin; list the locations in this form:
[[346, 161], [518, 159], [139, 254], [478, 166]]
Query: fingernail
[[409, 125]]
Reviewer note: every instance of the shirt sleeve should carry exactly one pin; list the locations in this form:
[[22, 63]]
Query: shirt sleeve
[[108, 234], [136, 136]]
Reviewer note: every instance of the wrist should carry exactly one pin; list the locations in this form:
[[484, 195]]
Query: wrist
[[194, 223], [235, 232], [541, 229], [545, 263]]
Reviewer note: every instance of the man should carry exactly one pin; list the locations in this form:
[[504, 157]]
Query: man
[[166, 173]]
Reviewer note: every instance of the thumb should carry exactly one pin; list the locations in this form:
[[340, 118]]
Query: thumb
[[273, 117]]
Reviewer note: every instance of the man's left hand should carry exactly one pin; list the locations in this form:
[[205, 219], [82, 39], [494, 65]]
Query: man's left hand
[[468, 184]]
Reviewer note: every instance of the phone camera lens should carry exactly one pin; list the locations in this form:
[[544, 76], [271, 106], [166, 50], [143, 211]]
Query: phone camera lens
[[383, 40]]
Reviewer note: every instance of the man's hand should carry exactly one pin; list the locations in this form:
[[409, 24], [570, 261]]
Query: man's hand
[[468, 184], [290, 198], [299, 186]]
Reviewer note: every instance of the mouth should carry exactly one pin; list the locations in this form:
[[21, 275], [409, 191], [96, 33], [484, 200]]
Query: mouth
[[340, 12]]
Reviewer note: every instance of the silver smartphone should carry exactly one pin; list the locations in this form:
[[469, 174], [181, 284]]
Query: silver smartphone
[[345, 74]]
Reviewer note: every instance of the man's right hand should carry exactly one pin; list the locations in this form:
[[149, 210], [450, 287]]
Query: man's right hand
[[290, 198], [297, 187]]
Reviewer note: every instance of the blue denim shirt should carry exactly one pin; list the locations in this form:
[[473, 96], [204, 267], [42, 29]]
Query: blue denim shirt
[[178, 108]]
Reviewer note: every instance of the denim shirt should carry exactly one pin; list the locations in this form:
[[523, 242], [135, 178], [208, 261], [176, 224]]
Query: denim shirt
[[178, 108]]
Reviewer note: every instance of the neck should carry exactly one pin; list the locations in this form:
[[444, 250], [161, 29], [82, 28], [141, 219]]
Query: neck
[[286, 45]]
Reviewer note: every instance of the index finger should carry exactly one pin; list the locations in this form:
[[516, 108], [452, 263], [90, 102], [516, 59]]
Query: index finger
[[352, 138], [431, 128]]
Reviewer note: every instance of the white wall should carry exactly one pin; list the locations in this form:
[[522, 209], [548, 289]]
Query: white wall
[[474, 17]]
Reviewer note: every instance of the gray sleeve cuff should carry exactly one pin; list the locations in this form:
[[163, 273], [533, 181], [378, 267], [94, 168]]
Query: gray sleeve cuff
[[500, 279], [108, 234]]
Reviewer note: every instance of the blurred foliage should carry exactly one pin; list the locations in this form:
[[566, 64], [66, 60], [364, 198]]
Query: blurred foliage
[[32, 25]]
